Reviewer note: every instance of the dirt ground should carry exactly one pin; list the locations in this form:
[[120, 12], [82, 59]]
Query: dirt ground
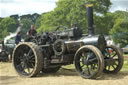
[[8, 76]]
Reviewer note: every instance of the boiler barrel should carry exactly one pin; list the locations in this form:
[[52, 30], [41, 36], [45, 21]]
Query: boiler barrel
[[98, 41]]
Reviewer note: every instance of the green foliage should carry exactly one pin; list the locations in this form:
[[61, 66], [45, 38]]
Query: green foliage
[[104, 23], [3, 34], [32, 17], [38, 23], [16, 17], [1, 19], [8, 24], [119, 31], [69, 12]]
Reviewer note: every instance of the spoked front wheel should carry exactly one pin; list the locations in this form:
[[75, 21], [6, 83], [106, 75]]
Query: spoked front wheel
[[27, 59], [89, 62]]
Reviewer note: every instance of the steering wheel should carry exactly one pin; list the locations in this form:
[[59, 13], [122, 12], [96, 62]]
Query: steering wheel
[[59, 30]]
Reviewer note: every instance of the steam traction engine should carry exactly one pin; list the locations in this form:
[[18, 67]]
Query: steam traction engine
[[47, 52]]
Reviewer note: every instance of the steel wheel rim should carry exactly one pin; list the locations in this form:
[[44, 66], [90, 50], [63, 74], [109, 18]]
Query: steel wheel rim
[[24, 60], [90, 68]]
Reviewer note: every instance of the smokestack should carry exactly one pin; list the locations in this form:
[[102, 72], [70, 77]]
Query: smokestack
[[90, 19]]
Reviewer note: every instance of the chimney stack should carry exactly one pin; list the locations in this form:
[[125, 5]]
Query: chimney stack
[[90, 19]]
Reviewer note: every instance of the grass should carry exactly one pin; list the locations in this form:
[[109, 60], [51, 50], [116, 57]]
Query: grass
[[125, 66], [69, 66], [125, 54]]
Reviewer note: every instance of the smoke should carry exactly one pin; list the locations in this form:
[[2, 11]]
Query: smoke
[[12, 35]]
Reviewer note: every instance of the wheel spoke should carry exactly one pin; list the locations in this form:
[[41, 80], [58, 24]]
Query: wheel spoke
[[88, 70], [94, 66], [116, 59], [115, 64], [32, 61], [82, 66], [106, 53], [32, 65], [30, 51], [93, 59], [28, 69], [25, 66], [83, 55], [31, 57], [109, 67], [113, 67], [114, 55], [84, 70], [19, 67]]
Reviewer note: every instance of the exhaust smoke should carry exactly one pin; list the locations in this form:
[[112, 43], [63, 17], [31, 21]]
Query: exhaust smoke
[[12, 35]]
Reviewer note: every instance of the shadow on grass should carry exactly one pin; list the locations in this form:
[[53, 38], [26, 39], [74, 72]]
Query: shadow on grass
[[61, 72]]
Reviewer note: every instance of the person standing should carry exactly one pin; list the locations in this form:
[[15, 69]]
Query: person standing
[[18, 38], [32, 31]]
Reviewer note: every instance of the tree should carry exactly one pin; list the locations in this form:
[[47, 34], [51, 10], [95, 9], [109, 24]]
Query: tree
[[38, 22], [16, 18], [28, 16], [34, 17], [8, 24], [104, 23], [1, 19], [69, 12], [3, 34], [119, 32]]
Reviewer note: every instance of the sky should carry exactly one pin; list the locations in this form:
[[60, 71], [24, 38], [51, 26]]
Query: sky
[[21, 7], [119, 5]]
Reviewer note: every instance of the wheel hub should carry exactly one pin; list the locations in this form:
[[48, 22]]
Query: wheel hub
[[85, 62], [25, 58]]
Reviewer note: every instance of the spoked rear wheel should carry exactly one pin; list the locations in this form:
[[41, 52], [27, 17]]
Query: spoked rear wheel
[[113, 59], [27, 59], [89, 62]]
